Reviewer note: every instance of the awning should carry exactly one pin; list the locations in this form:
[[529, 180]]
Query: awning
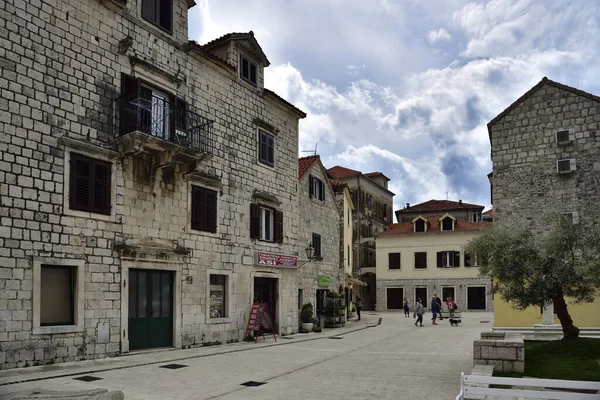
[[356, 281]]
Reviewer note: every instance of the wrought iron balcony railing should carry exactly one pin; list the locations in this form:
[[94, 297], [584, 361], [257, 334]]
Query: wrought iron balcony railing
[[157, 117]]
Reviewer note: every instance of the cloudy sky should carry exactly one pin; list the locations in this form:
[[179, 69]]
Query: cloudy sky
[[406, 87]]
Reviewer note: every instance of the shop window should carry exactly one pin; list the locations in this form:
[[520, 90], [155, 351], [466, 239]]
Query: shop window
[[218, 296]]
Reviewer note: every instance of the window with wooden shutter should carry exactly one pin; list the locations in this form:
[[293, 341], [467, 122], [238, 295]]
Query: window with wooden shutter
[[266, 150], [248, 70], [316, 243], [322, 193], [456, 262], [440, 259], [254, 221], [159, 13], [90, 184], [128, 111], [311, 189], [204, 209], [467, 260], [394, 261], [420, 260], [278, 227]]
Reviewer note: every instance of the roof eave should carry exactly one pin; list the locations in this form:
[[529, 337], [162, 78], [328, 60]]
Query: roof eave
[[301, 114]]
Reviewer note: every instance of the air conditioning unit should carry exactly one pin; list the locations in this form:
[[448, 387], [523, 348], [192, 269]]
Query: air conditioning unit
[[573, 216], [565, 166], [565, 136]]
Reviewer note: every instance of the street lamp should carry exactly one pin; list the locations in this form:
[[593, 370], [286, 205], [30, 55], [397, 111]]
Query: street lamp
[[310, 252]]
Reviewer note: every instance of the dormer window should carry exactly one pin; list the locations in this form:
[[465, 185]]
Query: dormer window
[[447, 223], [420, 226], [248, 70]]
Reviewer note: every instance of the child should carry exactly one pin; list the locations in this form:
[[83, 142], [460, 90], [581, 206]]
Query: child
[[451, 306], [406, 309]]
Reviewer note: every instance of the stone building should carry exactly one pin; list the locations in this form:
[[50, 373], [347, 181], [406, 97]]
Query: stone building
[[546, 158], [318, 228], [148, 183], [373, 203], [422, 255]]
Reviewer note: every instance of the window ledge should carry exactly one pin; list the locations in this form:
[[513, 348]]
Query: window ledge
[[50, 330], [218, 320]]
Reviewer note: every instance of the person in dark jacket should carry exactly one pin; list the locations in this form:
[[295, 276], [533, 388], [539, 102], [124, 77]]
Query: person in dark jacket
[[439, 302], [419, 312], [358, 307], [435, 309]]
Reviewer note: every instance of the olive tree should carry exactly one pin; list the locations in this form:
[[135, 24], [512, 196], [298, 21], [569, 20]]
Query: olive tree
[[535, 264]]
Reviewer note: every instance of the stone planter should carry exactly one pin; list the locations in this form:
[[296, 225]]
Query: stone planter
[[307, 326]]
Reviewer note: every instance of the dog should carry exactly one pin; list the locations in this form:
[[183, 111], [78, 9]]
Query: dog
[[455, 321]]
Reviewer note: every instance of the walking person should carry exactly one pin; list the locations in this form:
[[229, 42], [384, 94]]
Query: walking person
[[439, 302], [358, 306], [406, 309], [419, 312], [435, 309]]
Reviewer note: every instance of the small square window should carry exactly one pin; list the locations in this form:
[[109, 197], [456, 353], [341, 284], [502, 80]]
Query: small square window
[[248, 70], [420, 260], [218, 296], [90, 184], [266, 150], [316, 243], [159, 13], [393, 260]]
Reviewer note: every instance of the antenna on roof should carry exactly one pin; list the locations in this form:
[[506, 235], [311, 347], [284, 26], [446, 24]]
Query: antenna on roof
[[447, 192], [312, 151]]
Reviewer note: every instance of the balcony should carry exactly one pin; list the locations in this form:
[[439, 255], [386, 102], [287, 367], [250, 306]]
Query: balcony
[[154, 124]]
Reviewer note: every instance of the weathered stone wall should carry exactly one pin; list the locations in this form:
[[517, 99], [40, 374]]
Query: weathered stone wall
[[506, 354], [525, 152], [61, 65], [321, 217]]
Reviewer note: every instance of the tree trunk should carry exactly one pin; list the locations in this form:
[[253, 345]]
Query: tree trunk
[[570, 331]]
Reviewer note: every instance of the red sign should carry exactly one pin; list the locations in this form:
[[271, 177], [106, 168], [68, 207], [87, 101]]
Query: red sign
[[276, 260], [259, 320]]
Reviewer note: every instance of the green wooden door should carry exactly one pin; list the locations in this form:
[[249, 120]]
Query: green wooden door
[[150, 309]]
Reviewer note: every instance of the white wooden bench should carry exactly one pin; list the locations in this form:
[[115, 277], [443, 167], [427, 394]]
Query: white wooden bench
[[478, 386]]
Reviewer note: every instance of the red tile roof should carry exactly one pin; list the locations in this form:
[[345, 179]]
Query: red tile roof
[[342, 172], [374, 174], [337, 185], [434, 226], [304, 164], [439, 205], [489, 213]]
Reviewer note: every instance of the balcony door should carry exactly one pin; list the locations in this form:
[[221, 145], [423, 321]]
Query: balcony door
[[159, 110]]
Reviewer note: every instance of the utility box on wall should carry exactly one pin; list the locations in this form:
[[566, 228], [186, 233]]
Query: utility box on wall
[[103, 332]]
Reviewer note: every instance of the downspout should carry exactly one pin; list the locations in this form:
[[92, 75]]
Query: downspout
[[358, 231]]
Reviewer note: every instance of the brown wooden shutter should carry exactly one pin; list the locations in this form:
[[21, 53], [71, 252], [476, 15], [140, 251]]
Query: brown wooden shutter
[[165, 14], [467, 260], [456, 259], [145, 121], [254, 221], [278, 226], [128, 112], [198, 208], [394, 261], [81, 179], [439, 259], [149, 10], [311, 190], [322, 197], [101, 188], [211, 211]]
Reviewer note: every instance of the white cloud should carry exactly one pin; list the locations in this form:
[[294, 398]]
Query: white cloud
[[441, 35]]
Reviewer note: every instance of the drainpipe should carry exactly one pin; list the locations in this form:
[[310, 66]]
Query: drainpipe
[[358, 232]]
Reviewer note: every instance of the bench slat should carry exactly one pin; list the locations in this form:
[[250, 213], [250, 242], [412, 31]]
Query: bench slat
[[534, 394], [533, 382]]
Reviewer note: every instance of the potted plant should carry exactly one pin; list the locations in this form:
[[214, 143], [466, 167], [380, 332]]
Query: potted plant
[[306, 316]]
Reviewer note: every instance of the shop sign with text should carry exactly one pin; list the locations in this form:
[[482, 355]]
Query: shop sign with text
[[276, 260]]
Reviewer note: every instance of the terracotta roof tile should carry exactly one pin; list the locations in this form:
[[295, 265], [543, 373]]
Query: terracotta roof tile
[[438, 205], [377, 173], [304, 164], [342, 172], [434, 226], [337, 185], [489, 213]]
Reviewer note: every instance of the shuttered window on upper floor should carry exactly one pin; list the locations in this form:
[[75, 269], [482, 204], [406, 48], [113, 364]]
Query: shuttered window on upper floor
[[90, 184]]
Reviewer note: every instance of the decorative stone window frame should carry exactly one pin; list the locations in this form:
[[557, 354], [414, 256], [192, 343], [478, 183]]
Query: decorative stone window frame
[[228, 296], [99, 153], [79, 297]]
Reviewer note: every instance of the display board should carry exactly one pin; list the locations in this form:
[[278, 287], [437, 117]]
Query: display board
[[259, 320]]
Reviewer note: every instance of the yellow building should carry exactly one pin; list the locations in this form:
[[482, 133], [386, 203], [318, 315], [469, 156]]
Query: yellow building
[[422, 255]]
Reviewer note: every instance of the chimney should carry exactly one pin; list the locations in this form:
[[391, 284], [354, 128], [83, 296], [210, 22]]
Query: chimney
[[460, 202], [407, 205]]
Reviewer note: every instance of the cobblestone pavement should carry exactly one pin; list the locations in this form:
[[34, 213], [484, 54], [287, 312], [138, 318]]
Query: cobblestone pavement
[[393, 360]]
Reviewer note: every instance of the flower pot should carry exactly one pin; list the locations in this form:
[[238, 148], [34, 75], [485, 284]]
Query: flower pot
[[307, 326]]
